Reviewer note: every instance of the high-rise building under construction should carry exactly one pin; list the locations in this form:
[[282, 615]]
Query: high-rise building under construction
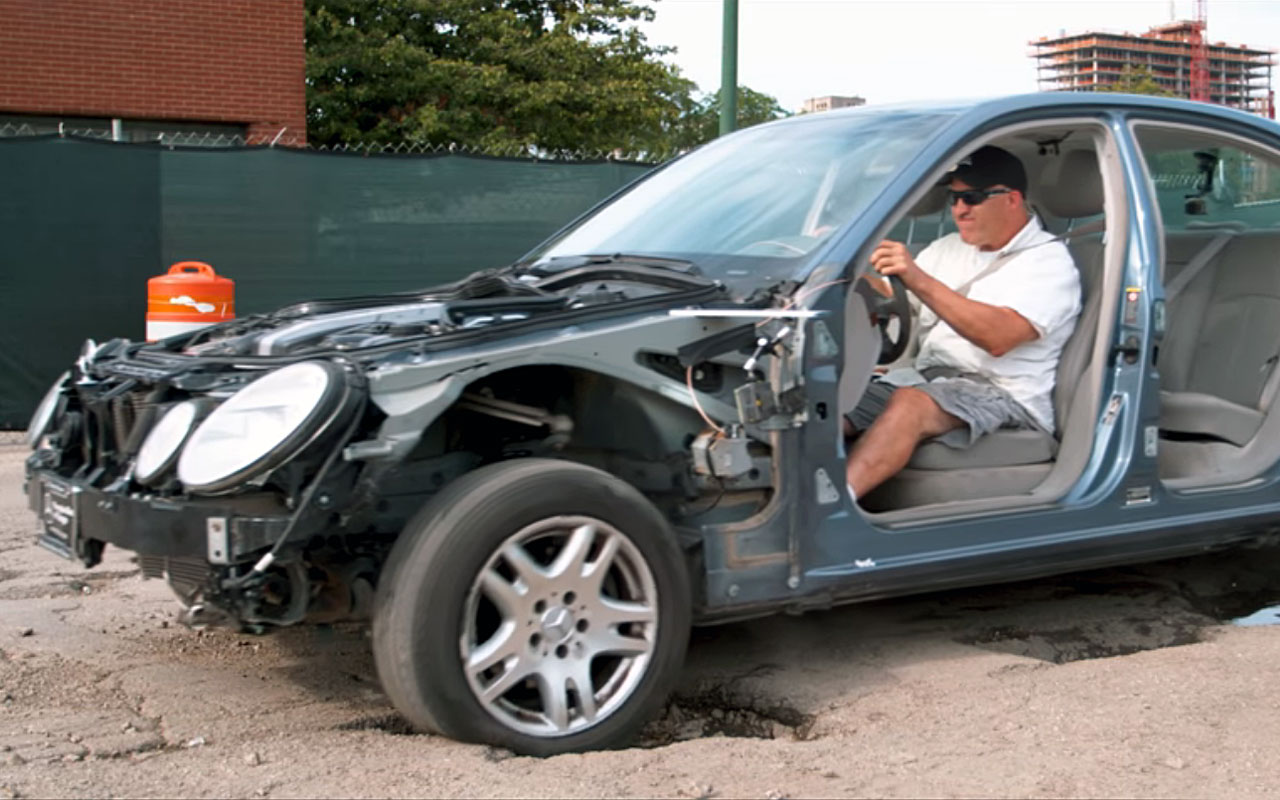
[[1175, 56]]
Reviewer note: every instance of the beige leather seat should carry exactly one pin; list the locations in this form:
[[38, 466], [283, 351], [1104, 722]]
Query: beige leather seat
[[1218, 364], [1073, 197], [1007, 461]]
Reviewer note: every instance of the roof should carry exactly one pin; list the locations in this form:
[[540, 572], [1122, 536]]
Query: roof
[[1067, 102]]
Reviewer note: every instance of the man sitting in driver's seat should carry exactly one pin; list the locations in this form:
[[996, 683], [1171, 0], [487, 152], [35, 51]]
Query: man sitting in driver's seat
[[999, 300]]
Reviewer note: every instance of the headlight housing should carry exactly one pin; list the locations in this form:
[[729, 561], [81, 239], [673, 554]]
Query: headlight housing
[[263, 425], [160, 449], [45, 411]]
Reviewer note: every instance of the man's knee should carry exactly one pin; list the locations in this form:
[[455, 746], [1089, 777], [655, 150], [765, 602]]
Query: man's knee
[[915, 410], [910, 402]]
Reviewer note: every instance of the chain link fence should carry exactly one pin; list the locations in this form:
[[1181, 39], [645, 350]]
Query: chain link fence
[[163, 138], [190, 139], [512, 151]]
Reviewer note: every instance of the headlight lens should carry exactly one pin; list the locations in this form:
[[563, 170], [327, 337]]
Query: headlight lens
[[40, 420], [261, 426], [160, 449]]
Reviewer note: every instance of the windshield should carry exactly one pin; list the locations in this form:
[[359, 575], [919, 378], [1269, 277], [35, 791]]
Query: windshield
[[754, 204]]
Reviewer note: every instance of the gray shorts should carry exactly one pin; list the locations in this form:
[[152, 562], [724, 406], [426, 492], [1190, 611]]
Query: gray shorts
[[981, 405]]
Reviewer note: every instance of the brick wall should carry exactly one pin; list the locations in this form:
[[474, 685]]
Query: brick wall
[[227, 61]]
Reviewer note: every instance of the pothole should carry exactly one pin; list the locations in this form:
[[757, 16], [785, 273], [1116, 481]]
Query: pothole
[[1082, 643], [1243, 606], [1120, 611], [393, 724], [715, 712], [699, 716]]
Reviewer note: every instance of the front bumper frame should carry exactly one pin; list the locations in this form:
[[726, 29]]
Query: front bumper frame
[[76, 519]]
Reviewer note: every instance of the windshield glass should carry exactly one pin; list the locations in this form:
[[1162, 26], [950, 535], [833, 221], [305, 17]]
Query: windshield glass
[[758, 202]]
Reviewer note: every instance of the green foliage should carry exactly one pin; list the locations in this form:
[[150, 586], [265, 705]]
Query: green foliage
[[700, 122], [1137, 80], [546, 74]]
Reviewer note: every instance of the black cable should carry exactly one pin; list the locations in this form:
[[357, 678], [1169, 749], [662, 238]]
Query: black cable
[[304, 503]]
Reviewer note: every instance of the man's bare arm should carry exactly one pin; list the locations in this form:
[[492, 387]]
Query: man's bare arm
[[995, 329]]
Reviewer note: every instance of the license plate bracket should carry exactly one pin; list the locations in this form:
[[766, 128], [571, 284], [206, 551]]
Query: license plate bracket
[[59, 516]]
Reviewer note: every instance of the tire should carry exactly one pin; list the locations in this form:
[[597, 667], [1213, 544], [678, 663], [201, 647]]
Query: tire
[[516, 585]]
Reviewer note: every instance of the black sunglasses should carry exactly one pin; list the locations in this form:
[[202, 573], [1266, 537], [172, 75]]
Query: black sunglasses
[[973, 197]]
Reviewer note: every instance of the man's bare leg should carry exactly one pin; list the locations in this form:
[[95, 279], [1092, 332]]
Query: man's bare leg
[[885, 448]]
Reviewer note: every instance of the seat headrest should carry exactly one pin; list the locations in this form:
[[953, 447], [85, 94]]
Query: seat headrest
[[1071, 187], [933, 201]]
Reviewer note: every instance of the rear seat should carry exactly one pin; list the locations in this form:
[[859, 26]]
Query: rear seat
[[1218, 359]]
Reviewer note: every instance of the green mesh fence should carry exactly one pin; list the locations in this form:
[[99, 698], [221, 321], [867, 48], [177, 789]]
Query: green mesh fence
[[84, 224]]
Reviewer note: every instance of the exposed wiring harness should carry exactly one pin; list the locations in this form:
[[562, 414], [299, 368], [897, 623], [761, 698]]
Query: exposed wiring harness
[[693, 395], [761, 344]]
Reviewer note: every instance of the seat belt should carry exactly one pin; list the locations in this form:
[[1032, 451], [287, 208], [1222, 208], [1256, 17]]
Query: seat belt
[[1196, 265], [1007, 256], [1098, 225], [996, 263], [1271, 385]]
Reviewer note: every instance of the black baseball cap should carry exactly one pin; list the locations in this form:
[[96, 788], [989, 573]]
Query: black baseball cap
[[989, 166]]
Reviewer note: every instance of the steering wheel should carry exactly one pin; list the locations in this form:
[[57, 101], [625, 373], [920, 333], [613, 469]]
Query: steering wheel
[[883, 309]]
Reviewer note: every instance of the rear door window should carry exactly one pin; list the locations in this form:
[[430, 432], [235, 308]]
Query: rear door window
[[1207, 182]]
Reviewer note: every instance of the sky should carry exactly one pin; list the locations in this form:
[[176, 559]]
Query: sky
[[898, 50]]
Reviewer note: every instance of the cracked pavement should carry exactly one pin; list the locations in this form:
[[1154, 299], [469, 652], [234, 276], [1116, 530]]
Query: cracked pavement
[[1115, 683]]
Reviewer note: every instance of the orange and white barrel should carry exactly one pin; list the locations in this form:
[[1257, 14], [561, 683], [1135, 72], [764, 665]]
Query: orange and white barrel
[[188, 297]]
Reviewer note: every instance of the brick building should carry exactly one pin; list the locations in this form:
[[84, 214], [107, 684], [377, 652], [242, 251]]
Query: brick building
[[829, 103], [135, 69]]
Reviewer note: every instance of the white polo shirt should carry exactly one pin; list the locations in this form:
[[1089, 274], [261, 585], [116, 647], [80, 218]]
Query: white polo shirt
[[1040, 283]]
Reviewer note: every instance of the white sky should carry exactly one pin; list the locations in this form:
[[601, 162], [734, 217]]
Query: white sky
[[894, 50]]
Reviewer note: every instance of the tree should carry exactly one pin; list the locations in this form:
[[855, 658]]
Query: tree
[[701, 121], [547, 74], [1136, 80]]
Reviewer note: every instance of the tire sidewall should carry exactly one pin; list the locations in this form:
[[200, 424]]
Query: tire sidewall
[[419, 615]]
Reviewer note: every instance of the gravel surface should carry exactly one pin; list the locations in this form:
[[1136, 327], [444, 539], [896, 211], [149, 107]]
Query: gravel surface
[[1115, 683]]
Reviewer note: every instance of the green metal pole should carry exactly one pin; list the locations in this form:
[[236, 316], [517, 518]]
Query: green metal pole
[[729, 69]]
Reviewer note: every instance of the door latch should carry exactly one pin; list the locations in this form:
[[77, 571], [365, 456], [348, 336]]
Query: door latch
[[1129, 350]]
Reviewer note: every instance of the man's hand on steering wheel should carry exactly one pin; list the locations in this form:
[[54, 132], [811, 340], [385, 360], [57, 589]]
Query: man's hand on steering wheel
[[893, 258], [886, 298]]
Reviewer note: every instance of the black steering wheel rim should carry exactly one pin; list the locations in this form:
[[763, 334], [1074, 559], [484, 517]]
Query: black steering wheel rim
[[883, 309]]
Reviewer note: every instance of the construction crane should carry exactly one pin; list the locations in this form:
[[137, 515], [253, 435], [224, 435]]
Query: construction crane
[[1200, 54]]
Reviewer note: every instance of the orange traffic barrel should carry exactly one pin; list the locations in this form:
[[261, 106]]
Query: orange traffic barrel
[[189, 296]]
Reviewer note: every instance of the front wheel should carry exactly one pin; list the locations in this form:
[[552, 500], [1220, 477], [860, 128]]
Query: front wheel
[[539, 605]]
